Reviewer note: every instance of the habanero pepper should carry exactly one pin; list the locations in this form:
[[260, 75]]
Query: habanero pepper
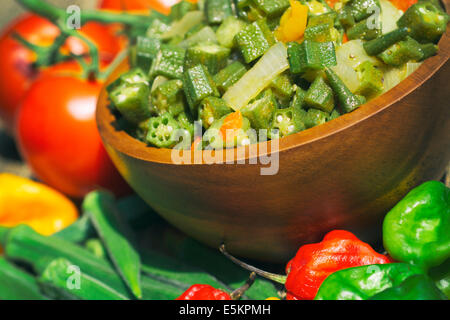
[[207, 292], [417, 229], [313, 263]]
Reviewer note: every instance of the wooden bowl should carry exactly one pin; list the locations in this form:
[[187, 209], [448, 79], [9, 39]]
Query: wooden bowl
[[344, 174]]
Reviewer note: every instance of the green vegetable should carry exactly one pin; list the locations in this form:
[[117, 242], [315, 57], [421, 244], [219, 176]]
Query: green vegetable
[[205, 34], [402, 52], [427, 23], [320, 96], [169, 97], [314, 117], [417, 229], [217, 11], [286, 122], [229, 28], [181, 27], [229, 76], [347, 100], [162, 131], [185, 121], [16, 284], [168, 62], [146, 51], [441, 277], [23, 244], [134, 76], [254, 40], [198, 85], [212, 109], [362, 283], [157, 28], [114, 232], [273, 63], [212, 56], [321, 33], [132, 101], [298, 102], [362, 9], [77, 232], [62, 279], [417, 287], [380, 44], [428, 50], [334, 114], [363, 30], [345, 18], [215, 140], [261, 111], [180, 9], [282, 88], [371, 80], [310, 55], [272, 8], [96, 247]]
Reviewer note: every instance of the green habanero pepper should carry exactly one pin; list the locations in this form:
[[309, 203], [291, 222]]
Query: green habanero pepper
[[417, 229], [417, 287], [362, 283]]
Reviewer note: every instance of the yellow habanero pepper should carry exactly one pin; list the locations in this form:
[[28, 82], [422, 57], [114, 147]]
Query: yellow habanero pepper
[[272, 298], [23, 201], [293, 23]]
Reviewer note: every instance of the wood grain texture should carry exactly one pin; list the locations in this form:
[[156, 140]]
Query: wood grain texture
[[344, 174]]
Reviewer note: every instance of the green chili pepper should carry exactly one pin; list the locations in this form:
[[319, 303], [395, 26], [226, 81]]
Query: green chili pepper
[[362, 283], [441, 277], [417, 229], [418, 287]]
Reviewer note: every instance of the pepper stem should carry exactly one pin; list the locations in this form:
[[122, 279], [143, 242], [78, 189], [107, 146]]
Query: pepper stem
[[3, 234], [238, 293], [268, 275]]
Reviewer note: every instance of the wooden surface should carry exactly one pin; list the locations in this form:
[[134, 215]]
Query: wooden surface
[[344, 174]]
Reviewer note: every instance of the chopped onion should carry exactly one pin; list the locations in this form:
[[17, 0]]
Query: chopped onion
[[389, 16], [258, 78], [206, 34], [179, 28], [349, 56]]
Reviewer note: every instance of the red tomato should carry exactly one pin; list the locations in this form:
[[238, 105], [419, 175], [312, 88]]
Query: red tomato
[[162, 6], [16, 61], [58, 136]]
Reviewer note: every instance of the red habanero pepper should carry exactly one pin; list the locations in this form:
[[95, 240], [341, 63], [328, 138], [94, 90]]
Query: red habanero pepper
[[314, 262], [204, 292]]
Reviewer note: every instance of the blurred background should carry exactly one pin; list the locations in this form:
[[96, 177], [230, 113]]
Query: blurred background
[[9, 158]]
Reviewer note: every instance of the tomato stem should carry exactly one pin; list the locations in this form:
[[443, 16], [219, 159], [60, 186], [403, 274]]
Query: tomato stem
[[268, 275], [113, 65]]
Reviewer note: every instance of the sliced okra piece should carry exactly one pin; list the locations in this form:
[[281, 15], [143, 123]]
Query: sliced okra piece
[[132, 101], [286, 122], [310, 55], [362, 9], [217, 11], [179, 10], [402, 52], [169, 62], [214, 139], [211, 109], [282, 88], [345, 18], [260, 112], [187, 123], [320, 96], [229, 28], [169, 97], [347, 100], [213, 56], [162, 131], [315, 117], [198, 85], [133, 76], [322, 33], [298, 102], [229, 75], [254, 40], [370, 79], [333, 115], [272, 8], [427, 23], [146, 51], [363, 30]]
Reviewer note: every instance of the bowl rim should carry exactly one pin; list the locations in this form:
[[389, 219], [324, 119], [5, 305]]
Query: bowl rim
[[126, 144]]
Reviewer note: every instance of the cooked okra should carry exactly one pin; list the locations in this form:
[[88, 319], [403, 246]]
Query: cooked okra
[[280, 65]]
